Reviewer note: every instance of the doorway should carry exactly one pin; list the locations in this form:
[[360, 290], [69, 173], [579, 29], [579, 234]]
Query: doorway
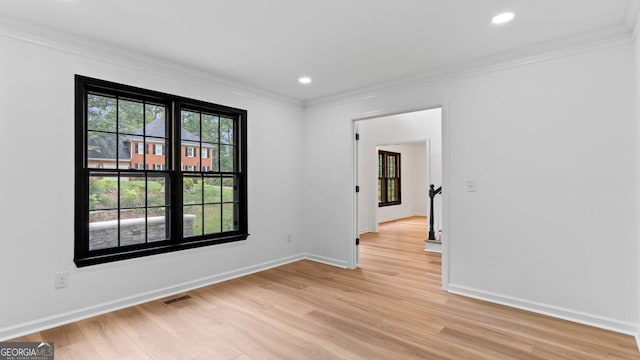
[[416, 138]]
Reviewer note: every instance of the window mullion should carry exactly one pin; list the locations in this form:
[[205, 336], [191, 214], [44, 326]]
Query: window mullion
[[177, 233], [118, 166], [146, 177], [385, 177], [199, 154]]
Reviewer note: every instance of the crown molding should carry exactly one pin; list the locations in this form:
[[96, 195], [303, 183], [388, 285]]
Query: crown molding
[[22, 30], [17, 29], [602, 38]]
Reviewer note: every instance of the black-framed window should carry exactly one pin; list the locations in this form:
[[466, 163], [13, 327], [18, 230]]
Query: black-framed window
[[389, 178], [145, 203]]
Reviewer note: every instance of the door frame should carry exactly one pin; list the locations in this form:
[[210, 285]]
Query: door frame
[[352, 249], [374, 193]]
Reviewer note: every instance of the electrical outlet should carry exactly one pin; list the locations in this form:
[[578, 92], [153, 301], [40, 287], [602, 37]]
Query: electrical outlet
[[289, 238], [471, 186], [62, 280]]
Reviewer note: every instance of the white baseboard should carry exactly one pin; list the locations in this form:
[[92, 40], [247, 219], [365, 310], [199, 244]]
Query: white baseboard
[[394, 218], [433, 247], [91, 311], [602, 322], [326, 260], [29, 327]]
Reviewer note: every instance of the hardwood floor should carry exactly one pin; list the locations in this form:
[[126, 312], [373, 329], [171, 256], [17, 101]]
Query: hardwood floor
[[392, 307]]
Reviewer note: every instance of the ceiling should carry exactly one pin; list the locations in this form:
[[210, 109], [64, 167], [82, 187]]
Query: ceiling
[[343, 45]]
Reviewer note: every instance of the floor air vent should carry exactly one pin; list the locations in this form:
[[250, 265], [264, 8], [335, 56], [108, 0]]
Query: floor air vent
[[173, 301]]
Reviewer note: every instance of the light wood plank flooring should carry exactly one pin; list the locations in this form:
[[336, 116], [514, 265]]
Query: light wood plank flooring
[[390, 308]]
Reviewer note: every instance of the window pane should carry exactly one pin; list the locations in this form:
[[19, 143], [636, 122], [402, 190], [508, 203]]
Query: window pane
[[130, 117], [132, 192], [157, 229], [212, 219], [228, 190], [226, 130], [103, 229], [101, 113], [210, 128], [206, 157], [229, 220], [155, 127], [155, 119], [192, 190], [394, 189], [391, 190], [227, 158], [192, 221], [124, 152], [156, 153], [391, 165], [103, 192], [133, 227], [101, 150], [380, 166], [379, 190], [102, 216], [215, 158], [212, 189], [190, 126], [190, 156], [158, 191]]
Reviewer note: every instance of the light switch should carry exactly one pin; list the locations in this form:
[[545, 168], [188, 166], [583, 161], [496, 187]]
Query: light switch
[[471, 186]]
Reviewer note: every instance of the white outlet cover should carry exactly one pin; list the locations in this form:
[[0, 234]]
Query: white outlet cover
[[62, 280], [471, 186]]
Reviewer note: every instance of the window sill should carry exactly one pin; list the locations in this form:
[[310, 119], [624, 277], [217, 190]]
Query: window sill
[[390, 204], [94, 259]]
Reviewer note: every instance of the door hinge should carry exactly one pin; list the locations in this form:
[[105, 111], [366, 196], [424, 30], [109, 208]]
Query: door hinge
[[357, 241], [357, 188], [357, 136]]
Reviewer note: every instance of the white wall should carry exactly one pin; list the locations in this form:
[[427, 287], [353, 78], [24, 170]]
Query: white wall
[[550, 143], [37, 197], [413, 129], [418, 179], [637, 160]]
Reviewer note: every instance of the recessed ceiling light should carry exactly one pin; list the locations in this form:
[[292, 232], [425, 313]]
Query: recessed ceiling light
[[503, 18], [304, 80]]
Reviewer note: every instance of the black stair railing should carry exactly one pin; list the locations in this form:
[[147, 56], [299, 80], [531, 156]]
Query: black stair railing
[[432, 194]]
